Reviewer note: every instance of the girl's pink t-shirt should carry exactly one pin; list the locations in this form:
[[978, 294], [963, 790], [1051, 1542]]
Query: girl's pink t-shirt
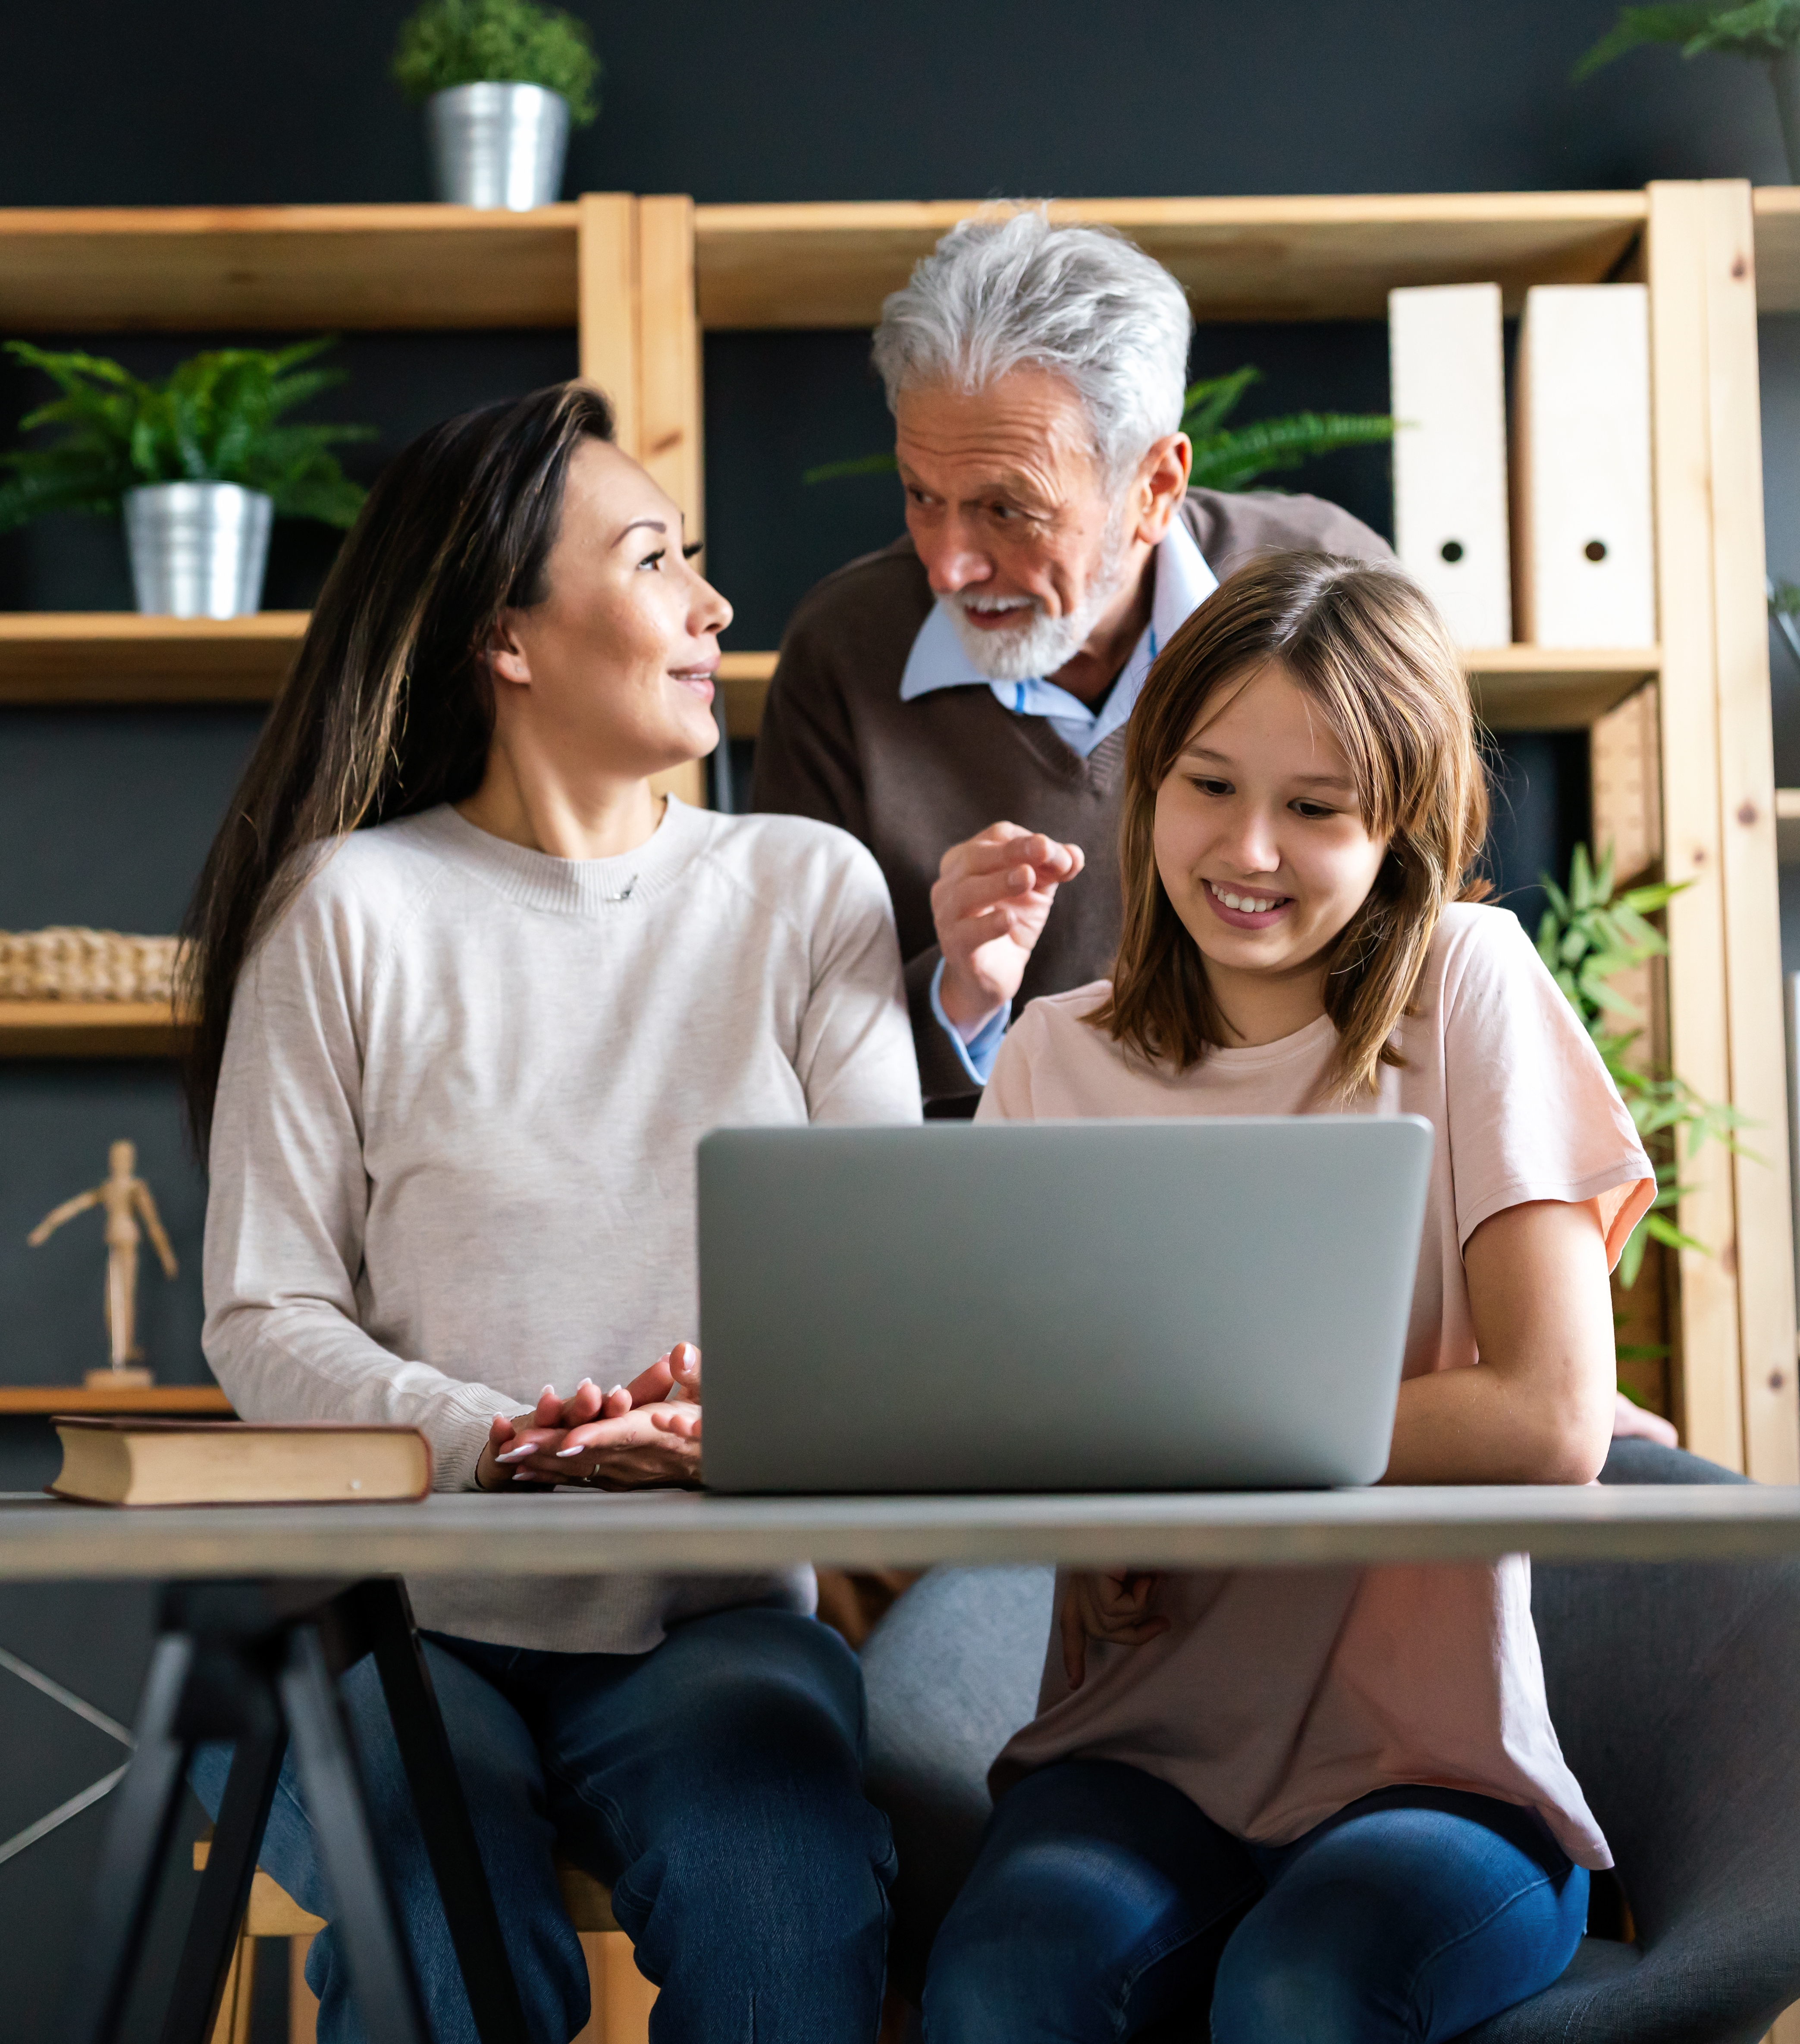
[[1278, 1695]]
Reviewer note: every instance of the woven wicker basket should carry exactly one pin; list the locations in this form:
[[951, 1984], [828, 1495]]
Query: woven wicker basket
[[86, 965]]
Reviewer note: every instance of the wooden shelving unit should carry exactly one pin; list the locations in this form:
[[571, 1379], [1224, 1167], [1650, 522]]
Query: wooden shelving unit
[[1776, 212], [104, 270], [1699, 799], [642, 278], [1548, 688], [1787, 824], [1515, 688], [1238, 259], [67, 657], [88, 1029], [118, 657], [63, 658], [196, 1401]]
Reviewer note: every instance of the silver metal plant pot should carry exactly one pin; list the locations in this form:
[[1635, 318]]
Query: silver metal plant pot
[[197, 549], [498, 145]]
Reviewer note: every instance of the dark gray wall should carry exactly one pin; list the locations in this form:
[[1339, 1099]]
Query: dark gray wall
[[104, 814]]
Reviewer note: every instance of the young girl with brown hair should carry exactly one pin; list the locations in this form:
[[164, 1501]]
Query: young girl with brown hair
[[1331, 1799]]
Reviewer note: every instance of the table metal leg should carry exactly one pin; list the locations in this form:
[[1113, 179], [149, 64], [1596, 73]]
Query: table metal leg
[[443, 1813], [225, 1887], [140, 1825], [364, 1915]]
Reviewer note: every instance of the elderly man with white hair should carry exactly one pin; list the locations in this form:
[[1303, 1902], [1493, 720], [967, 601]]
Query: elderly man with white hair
[[958, 701]]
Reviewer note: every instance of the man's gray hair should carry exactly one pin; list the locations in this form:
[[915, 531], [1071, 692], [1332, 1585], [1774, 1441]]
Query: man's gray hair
[[1000, 294]]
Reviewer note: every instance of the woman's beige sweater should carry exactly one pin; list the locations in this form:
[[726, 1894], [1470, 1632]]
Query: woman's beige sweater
[[453, 1154]]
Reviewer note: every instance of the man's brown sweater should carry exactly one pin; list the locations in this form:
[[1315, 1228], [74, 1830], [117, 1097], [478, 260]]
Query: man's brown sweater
[[911, 779]]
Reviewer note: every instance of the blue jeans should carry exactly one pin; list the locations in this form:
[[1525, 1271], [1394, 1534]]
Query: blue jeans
[[714, 1782], [1103, 1903]]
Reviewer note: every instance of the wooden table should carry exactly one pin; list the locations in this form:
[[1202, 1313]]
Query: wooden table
[[673, 1532]]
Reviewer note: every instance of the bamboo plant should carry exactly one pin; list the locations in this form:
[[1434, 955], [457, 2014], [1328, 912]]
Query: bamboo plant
[[1589, 934]]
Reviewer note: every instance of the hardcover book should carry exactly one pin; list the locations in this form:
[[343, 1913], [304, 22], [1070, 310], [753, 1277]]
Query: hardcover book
[[230, 1462]]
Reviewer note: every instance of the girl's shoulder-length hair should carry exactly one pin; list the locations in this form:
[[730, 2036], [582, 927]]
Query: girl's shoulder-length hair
[[1364, 642]]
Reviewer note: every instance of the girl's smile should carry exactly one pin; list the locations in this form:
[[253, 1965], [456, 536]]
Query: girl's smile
[[1239, 909], [1261, 847]]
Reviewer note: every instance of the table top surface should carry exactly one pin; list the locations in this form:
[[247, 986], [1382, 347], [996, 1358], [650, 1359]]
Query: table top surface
[[581, 1533]]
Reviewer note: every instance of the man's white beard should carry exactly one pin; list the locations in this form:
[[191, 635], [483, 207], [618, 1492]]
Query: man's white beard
[[1038, 645]]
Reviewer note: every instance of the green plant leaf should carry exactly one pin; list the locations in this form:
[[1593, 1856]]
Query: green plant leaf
[[1206, 405], [1685, 24], [1232, 459], [1586, 936], [866, 464], [1666, 1233]]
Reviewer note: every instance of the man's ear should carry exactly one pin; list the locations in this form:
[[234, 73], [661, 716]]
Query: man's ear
[[1162, 482], [505, 654]]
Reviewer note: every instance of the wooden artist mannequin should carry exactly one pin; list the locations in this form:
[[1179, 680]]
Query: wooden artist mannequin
[[125, 1198]]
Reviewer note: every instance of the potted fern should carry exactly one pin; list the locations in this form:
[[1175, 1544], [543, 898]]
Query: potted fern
[[1766, 31], [500, 81], [199, 464]]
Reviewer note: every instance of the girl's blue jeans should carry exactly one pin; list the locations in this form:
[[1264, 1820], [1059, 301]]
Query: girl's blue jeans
[[714, 1782], [1103, 1904]]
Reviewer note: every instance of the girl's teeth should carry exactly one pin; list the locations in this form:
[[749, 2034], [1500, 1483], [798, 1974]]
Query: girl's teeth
[[1244, 904]]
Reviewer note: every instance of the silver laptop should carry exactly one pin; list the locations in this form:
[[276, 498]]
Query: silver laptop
[[1093, 1305]]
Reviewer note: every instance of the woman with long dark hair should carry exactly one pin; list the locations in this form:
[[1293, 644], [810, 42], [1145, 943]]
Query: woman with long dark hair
[[467, 992]]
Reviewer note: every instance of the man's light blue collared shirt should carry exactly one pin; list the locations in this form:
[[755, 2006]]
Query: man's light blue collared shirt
[[1184, 582]]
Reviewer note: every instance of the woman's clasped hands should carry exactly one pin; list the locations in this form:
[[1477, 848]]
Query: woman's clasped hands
[[644, 1432]]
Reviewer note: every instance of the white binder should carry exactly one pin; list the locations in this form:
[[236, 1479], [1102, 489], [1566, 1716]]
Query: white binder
[[1449, 406], [1585, 566]]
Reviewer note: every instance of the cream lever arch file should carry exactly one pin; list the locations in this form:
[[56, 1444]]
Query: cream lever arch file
[[1584, 570], [1449, 406]]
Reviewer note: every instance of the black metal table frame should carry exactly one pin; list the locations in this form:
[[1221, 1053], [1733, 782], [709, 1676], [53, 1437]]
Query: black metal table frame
[[255, 1662]]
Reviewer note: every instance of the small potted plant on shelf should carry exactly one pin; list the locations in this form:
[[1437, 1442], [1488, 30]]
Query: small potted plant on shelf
[[199, 464], [1767, 31], [501, 81]]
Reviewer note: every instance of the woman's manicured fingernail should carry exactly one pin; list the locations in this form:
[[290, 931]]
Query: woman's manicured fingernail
[[522, 1476], [562, 1454], [616, 1391], [515, 1454]]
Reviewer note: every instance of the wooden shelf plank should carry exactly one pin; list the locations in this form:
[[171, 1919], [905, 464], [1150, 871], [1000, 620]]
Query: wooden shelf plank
[[744, 677], [1547, 688], [72, 658], [1517, 687], [1239, 259], [1776, 212], [191, 269], [200, 1400], [88, 1029], [1787, 825], [117, 656]]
